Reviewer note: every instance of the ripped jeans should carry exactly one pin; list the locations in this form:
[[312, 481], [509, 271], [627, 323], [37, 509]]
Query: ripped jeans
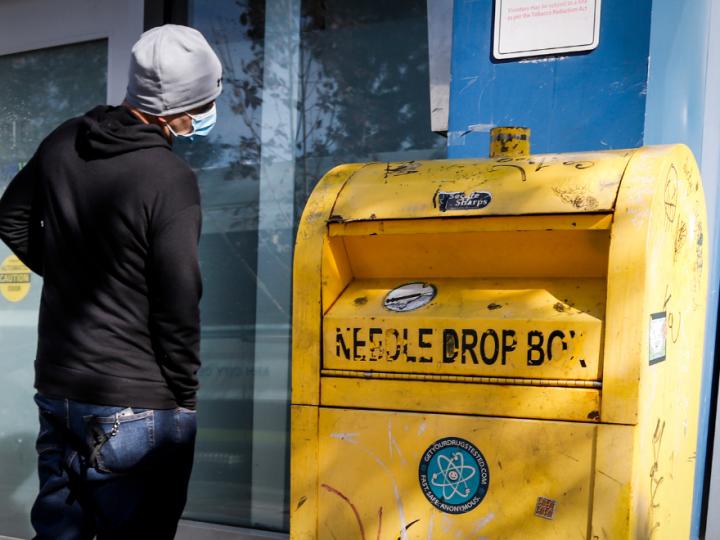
[[111, 472]]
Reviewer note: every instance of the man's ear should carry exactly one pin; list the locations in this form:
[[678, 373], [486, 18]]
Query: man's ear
[[163, 123]]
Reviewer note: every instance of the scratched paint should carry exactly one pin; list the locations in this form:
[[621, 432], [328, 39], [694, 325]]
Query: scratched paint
[[369, 481], [543, 183], [351, 438], [393, 446], [482, 522], [345, 499]]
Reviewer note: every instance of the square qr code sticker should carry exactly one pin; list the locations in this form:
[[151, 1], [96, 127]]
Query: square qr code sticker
[[545, 508]]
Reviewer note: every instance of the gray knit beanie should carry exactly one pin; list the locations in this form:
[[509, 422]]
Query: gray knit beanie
[[173, 69]]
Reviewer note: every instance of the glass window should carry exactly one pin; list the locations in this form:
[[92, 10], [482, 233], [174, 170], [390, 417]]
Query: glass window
[[38, 91], [307, 85]]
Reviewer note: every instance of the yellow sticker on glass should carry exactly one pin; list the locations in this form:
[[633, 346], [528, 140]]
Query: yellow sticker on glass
[[14, 279]]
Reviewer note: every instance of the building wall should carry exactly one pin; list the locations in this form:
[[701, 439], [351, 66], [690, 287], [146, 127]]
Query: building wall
[[582, 101]]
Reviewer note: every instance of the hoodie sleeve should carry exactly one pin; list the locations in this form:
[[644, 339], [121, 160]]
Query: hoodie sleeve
[[175, 289], [20, 216]]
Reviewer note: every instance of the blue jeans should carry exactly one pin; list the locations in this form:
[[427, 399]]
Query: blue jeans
[[111, 472]]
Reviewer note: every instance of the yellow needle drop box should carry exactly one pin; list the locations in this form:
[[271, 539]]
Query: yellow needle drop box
[[504, 348]]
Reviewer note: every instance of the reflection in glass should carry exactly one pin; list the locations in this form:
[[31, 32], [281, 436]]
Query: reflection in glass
[[364, 87], [308, 84], [38, 91]]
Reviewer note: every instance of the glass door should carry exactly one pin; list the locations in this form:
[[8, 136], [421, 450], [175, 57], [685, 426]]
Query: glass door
[[308, 84], [39, 90]]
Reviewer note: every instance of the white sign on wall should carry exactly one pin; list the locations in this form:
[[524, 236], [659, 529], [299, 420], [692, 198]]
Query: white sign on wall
[[539, 27]]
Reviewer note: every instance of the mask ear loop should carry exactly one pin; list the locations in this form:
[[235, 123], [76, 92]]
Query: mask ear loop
[[175, 134], [197, 117], [172, 130]]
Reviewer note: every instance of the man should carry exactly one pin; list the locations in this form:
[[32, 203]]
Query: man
[[110, 218]]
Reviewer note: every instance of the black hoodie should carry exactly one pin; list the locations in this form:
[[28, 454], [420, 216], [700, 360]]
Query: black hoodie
[[110, 218]]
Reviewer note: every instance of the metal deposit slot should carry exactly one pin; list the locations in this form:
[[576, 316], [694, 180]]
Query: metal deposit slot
[[511, 328]]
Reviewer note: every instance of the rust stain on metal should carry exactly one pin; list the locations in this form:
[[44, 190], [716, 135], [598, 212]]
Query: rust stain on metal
[[352, 506], [379, 522], [403, 167], [407, 527], [493, 306]]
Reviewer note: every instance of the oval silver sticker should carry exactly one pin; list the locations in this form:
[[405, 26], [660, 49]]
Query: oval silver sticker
[[410, 296]]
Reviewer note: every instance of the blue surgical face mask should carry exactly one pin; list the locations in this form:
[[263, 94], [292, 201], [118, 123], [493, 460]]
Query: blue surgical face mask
[[202, 124]]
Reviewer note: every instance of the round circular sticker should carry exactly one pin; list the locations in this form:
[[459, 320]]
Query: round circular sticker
[[409, 296], [14, 279], [454, 475]]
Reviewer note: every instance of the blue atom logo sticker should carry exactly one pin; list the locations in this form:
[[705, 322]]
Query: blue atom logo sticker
[[454, 475]]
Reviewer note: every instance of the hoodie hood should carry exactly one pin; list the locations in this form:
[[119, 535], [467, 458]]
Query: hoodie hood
[[111, 131]]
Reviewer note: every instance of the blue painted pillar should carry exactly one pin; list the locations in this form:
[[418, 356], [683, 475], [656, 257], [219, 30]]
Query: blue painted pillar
[[679, 109], [583, 101]]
